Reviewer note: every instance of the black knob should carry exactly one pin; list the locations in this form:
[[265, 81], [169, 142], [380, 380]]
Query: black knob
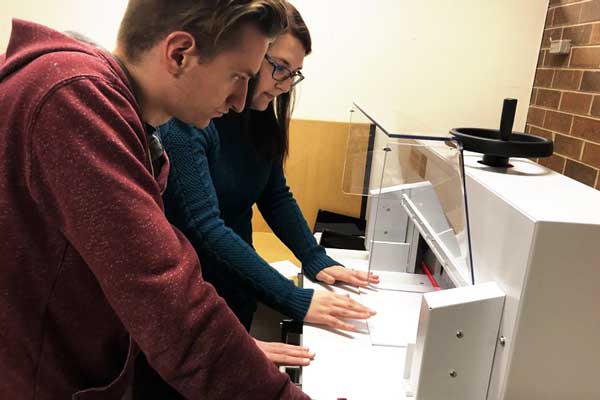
[[507, 120]]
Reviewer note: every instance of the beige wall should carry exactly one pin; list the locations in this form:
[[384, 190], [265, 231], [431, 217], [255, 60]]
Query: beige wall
[[96, 19], [432, 65]]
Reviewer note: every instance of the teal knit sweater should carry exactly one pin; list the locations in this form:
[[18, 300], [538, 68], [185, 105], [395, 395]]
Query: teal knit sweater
[[216, 176]]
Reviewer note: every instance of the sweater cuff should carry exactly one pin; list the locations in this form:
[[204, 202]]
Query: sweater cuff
[[298, 302], [315, 264]]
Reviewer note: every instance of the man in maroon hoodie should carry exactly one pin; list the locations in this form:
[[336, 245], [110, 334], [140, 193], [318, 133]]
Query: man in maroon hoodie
[[90, 270]]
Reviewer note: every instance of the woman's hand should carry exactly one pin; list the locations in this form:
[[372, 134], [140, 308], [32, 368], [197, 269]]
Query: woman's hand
[[355, 278], [286, 354], [328, 308]]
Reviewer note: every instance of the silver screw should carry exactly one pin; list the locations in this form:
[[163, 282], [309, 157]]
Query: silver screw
[[385, 232], [459, 334], [502, 340], [453, 373]]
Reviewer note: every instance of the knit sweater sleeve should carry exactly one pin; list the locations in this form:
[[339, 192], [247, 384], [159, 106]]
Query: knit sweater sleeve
[[280, 210], [88, 173], [191, 193]]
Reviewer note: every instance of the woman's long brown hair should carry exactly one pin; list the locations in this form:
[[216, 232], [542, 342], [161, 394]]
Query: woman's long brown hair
[[269, 129]]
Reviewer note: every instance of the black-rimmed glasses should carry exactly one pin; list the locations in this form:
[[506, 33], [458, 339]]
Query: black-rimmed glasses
[[282, 73]]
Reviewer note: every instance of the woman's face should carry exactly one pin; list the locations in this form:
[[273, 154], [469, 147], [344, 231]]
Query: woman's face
[[286, 51]]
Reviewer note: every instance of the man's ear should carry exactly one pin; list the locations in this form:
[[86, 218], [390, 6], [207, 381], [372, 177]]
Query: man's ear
[[179, 52]]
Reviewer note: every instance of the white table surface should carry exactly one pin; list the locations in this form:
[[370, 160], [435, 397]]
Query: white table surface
[[347, 364]]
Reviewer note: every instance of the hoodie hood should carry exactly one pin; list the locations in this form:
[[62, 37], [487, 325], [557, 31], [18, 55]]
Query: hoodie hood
[[29, 41]]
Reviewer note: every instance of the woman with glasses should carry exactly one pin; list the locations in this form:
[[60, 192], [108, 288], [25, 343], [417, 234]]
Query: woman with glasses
[[219, 173]]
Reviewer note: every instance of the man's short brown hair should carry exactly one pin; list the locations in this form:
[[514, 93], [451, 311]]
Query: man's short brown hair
[[214, 24]]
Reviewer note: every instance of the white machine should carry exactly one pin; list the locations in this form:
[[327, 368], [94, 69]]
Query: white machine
[[488, 278]]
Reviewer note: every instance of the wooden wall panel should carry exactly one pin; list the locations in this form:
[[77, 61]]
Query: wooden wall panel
[[314, 170]]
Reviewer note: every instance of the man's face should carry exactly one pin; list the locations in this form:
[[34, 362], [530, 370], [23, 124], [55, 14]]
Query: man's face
[[209, 89]]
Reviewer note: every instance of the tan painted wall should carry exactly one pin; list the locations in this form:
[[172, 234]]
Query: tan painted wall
[[99, 20], [433, 65]]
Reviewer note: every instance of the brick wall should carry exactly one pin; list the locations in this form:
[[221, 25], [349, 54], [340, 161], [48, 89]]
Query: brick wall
[[565, 101]]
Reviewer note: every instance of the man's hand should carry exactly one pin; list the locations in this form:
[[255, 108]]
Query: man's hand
[[286, 354]]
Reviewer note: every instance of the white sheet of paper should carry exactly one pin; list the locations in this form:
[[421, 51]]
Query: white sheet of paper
[[396, 321]]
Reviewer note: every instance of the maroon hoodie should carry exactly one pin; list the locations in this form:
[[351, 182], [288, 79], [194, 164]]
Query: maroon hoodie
[[90, 269]]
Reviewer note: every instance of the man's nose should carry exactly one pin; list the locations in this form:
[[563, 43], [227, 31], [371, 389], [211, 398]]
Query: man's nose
[[237, 100]]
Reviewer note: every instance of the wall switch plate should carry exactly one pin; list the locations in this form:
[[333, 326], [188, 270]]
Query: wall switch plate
[[562, 46]]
